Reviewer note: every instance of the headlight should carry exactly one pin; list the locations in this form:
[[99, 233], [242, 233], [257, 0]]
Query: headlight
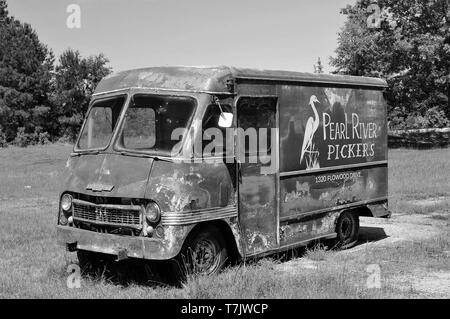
[[66, 202], [152, 212]]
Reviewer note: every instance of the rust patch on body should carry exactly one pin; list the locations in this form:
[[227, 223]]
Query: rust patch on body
[[179, 187], [308, 227], [258, 213]]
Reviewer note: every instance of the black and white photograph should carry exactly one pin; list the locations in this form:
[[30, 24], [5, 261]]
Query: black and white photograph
[[205, 151]]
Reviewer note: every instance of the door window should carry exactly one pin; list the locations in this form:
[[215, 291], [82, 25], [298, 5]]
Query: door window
[[255, 114]]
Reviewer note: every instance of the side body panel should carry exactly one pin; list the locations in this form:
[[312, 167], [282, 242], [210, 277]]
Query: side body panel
[[346, 126], [333, 148], [191, 193], [332, 156]]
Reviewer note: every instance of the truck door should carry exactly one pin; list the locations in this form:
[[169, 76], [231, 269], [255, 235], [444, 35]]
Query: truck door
[[257, 155]]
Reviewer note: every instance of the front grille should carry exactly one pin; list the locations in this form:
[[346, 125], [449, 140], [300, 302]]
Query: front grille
[[121, 215]]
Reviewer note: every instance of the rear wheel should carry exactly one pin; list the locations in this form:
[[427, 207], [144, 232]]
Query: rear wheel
[[347, 230], [204, 252]]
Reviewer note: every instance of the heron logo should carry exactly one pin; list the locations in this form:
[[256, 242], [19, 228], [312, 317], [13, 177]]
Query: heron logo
[[310, 153]]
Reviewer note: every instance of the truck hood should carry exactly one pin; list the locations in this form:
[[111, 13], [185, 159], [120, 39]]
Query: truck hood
[[109, 175]]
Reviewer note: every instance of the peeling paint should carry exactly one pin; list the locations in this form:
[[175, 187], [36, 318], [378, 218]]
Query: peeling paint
[[127, 175], [370, 184], [178, 187], [309, 227]]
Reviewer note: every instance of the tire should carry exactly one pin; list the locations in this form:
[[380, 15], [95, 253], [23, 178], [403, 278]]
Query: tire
[[347, 230], [204, 253]]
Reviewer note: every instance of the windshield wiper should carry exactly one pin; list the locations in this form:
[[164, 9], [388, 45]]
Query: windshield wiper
[[155, 157]]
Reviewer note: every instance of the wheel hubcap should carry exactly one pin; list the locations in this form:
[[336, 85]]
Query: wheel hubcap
[[205, 257]]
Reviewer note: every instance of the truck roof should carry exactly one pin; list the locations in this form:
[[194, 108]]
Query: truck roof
[[217, 79]]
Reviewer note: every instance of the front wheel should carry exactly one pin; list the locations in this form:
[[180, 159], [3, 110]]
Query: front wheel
[[347, 230], [204, 252]]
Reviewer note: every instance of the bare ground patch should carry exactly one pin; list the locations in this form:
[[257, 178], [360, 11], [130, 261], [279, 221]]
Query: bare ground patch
[[411, 250]]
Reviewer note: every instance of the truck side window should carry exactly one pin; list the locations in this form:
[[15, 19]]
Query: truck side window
[[256, 113], [210, 121]]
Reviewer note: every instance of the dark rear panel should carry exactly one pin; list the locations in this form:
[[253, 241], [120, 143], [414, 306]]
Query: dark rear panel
[[333, 145]]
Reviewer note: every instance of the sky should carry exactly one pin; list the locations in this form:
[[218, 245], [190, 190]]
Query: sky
[[263, 34]]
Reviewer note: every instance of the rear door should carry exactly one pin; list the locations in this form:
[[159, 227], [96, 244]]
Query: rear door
[[257, 154]]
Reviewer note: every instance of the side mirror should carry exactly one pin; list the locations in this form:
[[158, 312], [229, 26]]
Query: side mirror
[[226, 119]]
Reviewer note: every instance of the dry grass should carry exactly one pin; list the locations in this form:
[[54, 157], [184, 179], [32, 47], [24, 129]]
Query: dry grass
[[417, 175], [33, 266], [334, 275]]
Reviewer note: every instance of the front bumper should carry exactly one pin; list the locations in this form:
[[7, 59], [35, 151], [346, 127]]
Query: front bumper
[[134, 247]]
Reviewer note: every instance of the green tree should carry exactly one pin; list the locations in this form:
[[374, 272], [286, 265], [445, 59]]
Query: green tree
[[3, 10], [75, 81], [25, 76], [410, 48]]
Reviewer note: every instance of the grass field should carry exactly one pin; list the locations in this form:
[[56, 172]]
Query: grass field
[[33, 266]]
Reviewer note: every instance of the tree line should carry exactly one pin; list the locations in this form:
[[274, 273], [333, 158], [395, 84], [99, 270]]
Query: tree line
[[409, 46], [41, 100]]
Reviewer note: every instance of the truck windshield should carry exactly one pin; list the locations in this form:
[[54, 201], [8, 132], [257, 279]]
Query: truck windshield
[[151, 119], [100, 123]]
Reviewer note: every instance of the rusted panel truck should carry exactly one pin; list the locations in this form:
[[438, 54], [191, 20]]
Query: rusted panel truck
[[221, 162]]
